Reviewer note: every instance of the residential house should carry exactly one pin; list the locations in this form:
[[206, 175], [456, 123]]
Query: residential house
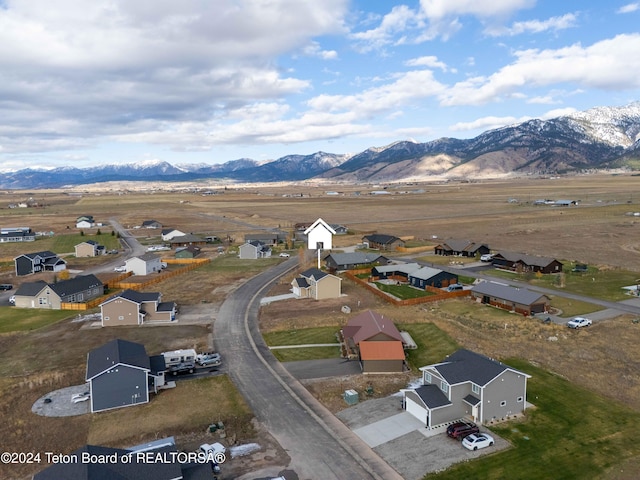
[[375, 341], [319, 235], [519, 300], [339, 229], [254, 249], [186, 240], [121, 374], [90, 248], [187, 252], [399, 272], [124, 465], [144, 264], [135, 308], [467, 385], [379, 241], [432, 277], [41, 294], [18, 234], [268, 238], [44, 261], [462, 248], [316, 284], [151, 224], [520, 262], [354, 260], [85, 221], [169, 233]]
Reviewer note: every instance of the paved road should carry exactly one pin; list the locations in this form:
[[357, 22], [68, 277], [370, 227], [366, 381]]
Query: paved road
[[319, 445]]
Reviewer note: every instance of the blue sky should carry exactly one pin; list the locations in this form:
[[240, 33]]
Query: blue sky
[[196, 81]]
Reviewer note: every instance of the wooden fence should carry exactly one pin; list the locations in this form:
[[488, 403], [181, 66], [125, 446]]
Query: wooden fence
[[438, 294], [189, 264], [425, 248]]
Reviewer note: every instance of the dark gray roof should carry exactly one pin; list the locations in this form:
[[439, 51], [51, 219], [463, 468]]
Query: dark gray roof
[[381, 238], [521, 296], [355, 258], [137, 297], [157, 364], [78, 284], [29, 289], [526, 259], [425, 273], [432, 396], [166, 306], [314, 273], [147, 257], [471, 400], [467, 366], [116, 352], [301, 282], [43, 254], [189, 237]]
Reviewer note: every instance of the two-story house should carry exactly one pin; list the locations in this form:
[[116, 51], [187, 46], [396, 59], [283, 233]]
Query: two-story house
[[44, 261], [467, 385]]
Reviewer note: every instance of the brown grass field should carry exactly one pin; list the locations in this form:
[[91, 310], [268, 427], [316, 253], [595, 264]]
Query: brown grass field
[[598, 231]]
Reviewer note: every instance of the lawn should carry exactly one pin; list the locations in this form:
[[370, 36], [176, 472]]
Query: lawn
[[24, 319], [305, 336], [571, 433], [433, 344], [311, 353], [571, 307], [403, 292]]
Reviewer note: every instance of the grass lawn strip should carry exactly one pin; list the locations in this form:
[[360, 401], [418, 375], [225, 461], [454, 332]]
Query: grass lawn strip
[[25, 319]]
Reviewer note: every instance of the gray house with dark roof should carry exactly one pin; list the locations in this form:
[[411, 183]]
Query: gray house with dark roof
[[519, 300], [353, 260], [44, 261], [467, 385], [382, 241], [41, 294], [120, 374], [253, 250]]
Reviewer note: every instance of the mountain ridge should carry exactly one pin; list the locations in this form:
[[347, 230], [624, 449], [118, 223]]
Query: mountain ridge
[[598, 138]]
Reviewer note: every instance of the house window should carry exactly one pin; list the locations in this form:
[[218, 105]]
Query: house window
[[42, 301], [444, 386], [519, 399], [475, 388], [427, 378], [503, 403]]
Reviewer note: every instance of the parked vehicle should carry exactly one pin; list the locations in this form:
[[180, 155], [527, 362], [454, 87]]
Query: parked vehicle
[[477, 440], [487, 257], [454, 287], [185, 367], [176, 357], [6, 286], [212, 448], [579, 322], [121, 268], [204, 356], [211, 362], [12, 299], [460, 430], [284, 255]]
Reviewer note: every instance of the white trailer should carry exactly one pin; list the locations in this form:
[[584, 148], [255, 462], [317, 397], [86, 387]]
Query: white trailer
[[177, 357]]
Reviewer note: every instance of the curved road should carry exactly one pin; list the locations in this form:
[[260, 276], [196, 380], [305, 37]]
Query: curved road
[[319, 445]]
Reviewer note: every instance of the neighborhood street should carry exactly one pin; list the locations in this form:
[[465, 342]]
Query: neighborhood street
[[320, 446]]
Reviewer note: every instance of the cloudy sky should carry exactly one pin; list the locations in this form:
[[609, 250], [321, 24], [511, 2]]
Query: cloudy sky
[[206, 81]]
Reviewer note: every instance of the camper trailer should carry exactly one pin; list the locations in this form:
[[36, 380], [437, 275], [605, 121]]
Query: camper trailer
[[176, 357]]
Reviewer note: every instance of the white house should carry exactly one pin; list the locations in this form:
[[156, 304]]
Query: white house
[[170, 233], [319, 235], [144, 264]]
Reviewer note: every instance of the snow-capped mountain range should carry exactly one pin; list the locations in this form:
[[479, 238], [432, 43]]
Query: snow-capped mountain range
[[599, 138]]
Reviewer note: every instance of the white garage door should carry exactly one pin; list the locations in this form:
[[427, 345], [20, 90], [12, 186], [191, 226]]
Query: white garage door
[[416, 410]]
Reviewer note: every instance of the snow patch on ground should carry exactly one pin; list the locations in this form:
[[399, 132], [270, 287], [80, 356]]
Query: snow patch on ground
[[242, 450], [92, 317], [413, 384]]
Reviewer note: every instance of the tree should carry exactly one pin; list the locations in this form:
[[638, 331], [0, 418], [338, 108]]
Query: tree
[[98, 232], [64, 275]]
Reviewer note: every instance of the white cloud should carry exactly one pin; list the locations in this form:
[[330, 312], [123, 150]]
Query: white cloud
[[558, 112], [314, 50], [427, 61], [437, 9], [395, 22], [487, 123], [629, 8], [568, 20], [610, 64]]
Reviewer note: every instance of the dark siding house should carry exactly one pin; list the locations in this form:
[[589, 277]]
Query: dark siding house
[[381, 241], [44, 261], [463, 248], [432, 277], [351, 261], [119, 374], [520, 262]]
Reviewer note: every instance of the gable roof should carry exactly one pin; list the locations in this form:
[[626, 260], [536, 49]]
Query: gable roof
[[425, 273], [314, 273], [44, 254], [467, 366], [407, 268], [370, 323], [135, 297], [521, 296], [75, 285], [116, 352], [432, 396], [29, 289], [165, 231], [354, 258], [381, 351], [461, 245], [189, 237], [381, 238], [526, 259], [319, 223], [147, 257]]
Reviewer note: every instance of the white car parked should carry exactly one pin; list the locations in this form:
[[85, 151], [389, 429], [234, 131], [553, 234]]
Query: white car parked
[[80, 397], [122, 268], [284, 255], [579, 322], [477, 440]]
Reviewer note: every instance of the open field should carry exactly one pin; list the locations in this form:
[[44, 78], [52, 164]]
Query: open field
[[603, 360]]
